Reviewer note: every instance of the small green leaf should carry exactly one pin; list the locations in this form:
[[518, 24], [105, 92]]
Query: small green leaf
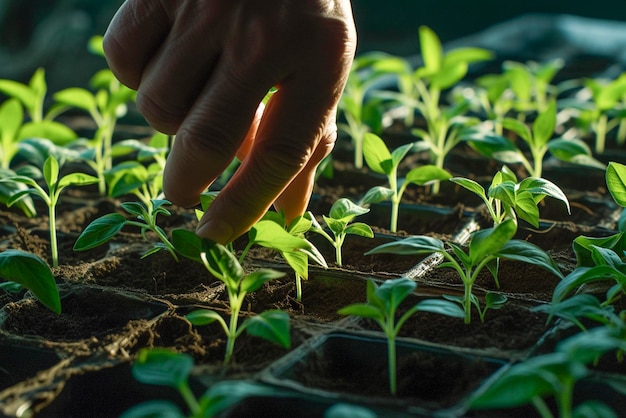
[[154, 409], [376, 152], [200, 317], [361, 229], [77, 179], [100, 231], [377, 194], [77, 97], [489, 242], [51, 171], [32, 273], [162, 367], [520, 128], [543, 127], [134, 208], [426, 174], [362, 310], [418, 244], [441, 307], [529, 253], [256, 279], [470, 185], [271, 325], [616, 182], [432, 52]]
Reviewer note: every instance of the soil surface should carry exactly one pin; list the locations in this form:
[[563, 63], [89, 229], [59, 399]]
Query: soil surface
[[115, 302]]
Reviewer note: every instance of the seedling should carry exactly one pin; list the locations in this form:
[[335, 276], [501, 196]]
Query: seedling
[[272, 325], [159, 366], [539, 141], [104, 228], [339, 222], [524, 87], [41, 124], [273, 231], [555, 374], [382, 304], [381, 160], [602, 112], [361, 115], [105, 107], [485, 247], [55, 186], [507, 198], [22, 269], [440, 72]]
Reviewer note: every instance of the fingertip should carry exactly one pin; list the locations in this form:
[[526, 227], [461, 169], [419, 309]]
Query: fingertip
[[216, 229]]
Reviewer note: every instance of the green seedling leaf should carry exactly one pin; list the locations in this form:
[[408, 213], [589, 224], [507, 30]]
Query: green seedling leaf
[[526, 208], [76, 179], [268, 233], [201, 317], [520, 128], [392, 292], [271, 325], [256, 279], [544, 125], [362, 310], [432, 52], [426, 174], [56, 132], [534, 377], [420, 244], [449, 75], [377, 155], [470, 185], [540, 186], [496, 147], [489, 242], [188, 244], [377, 194], [162, 367], [574, 151], [442, 307], [344, 208], [222, 263], [154, 409], [582, 275], [78, 98], [298, 261], [529, 253], [616, 182], [583, 247], [134, 208], [51, 170], [100, 231], [361, 229], [32, 273]]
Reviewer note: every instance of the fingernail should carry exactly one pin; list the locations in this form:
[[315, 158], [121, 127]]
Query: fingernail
[[215, 229]]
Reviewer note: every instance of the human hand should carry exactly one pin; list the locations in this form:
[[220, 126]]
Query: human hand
[[201, 70]]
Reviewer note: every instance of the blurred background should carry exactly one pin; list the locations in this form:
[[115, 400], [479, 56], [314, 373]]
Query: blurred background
[[53, 33]]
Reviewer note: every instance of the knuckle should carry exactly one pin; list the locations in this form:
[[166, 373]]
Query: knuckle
[[163, 115]]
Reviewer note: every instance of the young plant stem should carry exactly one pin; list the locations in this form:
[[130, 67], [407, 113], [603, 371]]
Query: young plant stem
[[391, 361], [190, 399], [541, 407], [53, 231], [298, 287], [601, 133], [232, 332], [395, 200]]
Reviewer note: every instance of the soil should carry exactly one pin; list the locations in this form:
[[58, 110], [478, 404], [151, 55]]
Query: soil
[[115, 302]]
